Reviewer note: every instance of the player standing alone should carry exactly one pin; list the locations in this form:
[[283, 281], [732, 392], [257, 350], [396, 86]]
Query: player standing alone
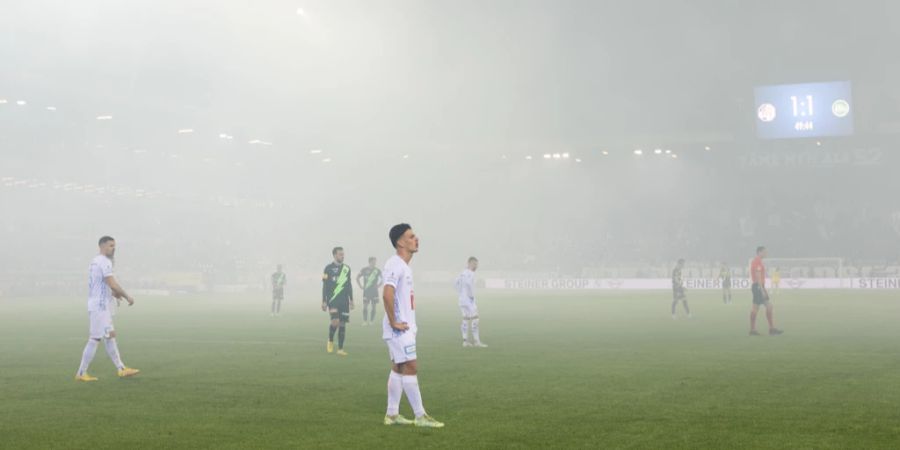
[[465, 288], [337, 299], [278, 281], [399, 330], [760, 294], [725, 276], [369, 280], [678, 290], [102, 288]]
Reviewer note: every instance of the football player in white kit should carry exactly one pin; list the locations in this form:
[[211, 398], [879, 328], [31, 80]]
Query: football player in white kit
[[101, 290], [399, 330], [465, 288]]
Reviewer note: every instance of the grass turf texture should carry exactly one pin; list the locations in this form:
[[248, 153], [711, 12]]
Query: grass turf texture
[[563, 370]]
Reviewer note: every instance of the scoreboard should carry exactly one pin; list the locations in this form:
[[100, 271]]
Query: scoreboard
[[804, 110]]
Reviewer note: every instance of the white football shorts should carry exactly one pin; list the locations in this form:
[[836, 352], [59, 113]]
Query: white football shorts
[[469, 310], [101, 324], [402, 347]]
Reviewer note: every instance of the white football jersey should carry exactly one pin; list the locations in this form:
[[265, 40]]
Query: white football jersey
[[99, 293], [398, 274], [465, 287]]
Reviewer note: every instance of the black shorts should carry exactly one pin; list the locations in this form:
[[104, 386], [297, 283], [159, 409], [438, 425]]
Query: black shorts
[[726, 284], [373, 299], [278, 294], [343, 316], [340, 310], [759, 295], [678, 293]]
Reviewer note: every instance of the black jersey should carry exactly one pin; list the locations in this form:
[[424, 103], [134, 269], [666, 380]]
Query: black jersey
[[371, 277], [677, 284], [337, 287], [725, 276], [278, 280], [677, 280]]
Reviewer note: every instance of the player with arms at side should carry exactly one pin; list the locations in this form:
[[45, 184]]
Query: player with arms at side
[[337, 299], [369, 281], [465, 289], [399, 330], [678, 290], [101, 290], [725, 276], [760, 294], [278, 282]]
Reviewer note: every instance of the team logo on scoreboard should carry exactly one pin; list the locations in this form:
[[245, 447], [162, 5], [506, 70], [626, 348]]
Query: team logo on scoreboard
[[766, 112], [840, 108]]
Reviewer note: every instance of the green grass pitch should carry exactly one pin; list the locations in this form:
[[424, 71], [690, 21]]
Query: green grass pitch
[[564, 370]]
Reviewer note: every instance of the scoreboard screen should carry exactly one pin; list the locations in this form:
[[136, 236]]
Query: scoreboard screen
[[804, 110]]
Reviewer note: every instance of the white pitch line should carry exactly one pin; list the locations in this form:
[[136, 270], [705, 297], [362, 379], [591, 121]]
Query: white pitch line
[[222, 341]]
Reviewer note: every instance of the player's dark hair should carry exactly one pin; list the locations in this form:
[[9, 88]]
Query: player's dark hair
[[335, 250], [371, 259], [472, 258], [397, 231], [681, 261], [105, 239], [760, 249]]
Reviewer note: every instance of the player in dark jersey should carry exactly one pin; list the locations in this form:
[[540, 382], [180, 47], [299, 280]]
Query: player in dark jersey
[[725, 276], [678, 290], [278, 281], [370, 281], [337, 298]]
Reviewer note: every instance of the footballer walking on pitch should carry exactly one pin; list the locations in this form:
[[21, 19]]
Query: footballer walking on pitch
[[102, 288], [278, 282], [399, 331], [678, 290], [465, 289], [725, 276], [760, 294], [369, 281], [337, 299]]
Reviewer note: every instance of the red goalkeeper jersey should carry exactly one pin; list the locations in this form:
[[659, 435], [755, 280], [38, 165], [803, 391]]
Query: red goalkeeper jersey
[[758, 271]]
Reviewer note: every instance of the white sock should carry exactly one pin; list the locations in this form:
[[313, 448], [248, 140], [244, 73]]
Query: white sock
[[90, 349], [411, 388], [395, 392], [112, 349], [475, 335], [465, 329]]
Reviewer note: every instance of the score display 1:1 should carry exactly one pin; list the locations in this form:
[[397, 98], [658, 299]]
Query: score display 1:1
[[804, 110]]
